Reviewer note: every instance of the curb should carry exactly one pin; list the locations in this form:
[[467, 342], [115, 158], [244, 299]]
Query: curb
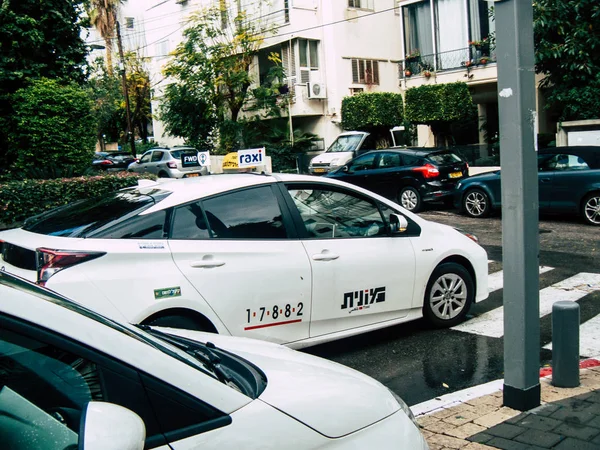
[[459, 397]]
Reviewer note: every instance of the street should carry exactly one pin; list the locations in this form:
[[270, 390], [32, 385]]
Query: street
[[420, 363]]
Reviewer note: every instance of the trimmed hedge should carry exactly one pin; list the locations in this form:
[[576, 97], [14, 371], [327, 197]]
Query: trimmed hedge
[[449, 102], [375, 109], [22, 199]]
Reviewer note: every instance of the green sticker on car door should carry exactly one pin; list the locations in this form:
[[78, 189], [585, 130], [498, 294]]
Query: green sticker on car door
[[167, 292]]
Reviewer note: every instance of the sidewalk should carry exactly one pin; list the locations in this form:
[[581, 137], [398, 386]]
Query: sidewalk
[[474, 419]]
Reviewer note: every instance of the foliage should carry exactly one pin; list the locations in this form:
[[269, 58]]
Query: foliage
[[103, 16], [54, 128], [447, 108], [213, 63], [138, 86], [567, 44], [37, 39], [107, 94], [22, 199], [368, 110], [186, 114]]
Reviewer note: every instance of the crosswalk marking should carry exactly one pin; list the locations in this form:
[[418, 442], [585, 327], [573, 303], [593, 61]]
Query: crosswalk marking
[[574, 288], [495, 279]]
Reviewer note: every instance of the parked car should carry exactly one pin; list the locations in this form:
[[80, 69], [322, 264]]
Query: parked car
[[178, 162], [112, 160], [72, 378], [293, 259], [345, 147], [569, 182], [409, 176]]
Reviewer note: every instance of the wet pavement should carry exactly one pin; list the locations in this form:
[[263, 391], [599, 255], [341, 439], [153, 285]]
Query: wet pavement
[[420, 363]]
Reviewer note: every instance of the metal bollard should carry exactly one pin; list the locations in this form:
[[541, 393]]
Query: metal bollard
[[565, 344]]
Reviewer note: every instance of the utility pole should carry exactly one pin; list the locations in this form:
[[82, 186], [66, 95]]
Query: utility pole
[[520, 235], [130, 130]]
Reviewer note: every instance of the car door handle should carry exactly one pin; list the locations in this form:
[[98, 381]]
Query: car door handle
[[545, 180], [325, 256], [207, 263]]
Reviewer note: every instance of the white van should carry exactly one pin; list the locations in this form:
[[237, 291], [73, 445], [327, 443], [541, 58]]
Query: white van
[[345, 147]]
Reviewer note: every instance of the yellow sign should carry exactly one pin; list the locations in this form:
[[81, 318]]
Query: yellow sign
[[230, 161]]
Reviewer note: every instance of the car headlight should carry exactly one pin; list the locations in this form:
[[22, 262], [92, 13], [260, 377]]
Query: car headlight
[[404, 407], [335, 162], [469, 235]]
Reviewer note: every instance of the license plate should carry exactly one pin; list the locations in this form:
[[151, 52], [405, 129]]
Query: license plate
[[319, 170], [455, 174], [189, 175]]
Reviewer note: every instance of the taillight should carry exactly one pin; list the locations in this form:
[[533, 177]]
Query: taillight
[[428, 171], [172, 164], [106, 162], [51, 261]]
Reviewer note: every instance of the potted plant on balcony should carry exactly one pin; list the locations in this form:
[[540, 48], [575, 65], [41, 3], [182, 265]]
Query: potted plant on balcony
[[426, 73], [482, 46], [413, 56]]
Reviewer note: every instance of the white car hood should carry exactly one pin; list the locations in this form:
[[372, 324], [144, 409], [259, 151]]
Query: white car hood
[[328, 397], [326, 158]]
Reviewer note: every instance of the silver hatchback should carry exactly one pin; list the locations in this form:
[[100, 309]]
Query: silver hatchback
[[180, 162]]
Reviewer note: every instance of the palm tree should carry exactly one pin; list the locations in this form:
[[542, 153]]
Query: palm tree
[[103, 16]]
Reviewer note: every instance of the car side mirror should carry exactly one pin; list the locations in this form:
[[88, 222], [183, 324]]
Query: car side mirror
[[345, 169], [398, 223], [106, 426]]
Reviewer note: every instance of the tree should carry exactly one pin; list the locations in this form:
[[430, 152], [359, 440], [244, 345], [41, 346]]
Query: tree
[[567, 46], [38, 39], [54, 132], [138, 86], [213, 65], [107, 95], [103, 16], [447, 108]]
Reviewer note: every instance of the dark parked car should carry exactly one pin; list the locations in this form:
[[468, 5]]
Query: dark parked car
[[409, 176], [112, 160], [569, 182]]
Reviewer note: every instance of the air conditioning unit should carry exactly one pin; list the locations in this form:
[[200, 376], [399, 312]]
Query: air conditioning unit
[[317, 90]]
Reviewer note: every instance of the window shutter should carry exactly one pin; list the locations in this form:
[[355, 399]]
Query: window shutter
[[361, 70], [355, 71], [375, 72]]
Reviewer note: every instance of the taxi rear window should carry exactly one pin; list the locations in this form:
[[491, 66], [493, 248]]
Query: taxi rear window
[[93, 217]]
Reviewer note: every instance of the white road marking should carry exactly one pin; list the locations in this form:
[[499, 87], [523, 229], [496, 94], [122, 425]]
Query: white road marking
[[589, 338], [574, 288], [495, 279]]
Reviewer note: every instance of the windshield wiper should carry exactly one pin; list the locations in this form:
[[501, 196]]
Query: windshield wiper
[[206, 356]]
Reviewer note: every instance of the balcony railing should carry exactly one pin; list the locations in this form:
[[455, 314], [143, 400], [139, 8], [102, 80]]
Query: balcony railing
[[463, 58]]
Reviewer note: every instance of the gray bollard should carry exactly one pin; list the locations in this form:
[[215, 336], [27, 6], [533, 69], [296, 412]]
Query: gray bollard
[[565, 344]]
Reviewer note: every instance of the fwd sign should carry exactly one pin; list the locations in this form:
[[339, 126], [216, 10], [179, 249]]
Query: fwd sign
[[251, 157]]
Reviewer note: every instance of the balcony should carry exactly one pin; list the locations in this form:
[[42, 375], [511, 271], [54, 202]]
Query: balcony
[[463, 58]]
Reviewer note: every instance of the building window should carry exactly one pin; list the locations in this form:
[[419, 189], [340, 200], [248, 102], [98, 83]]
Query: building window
[[365, 71], [129, 22], [161, 48], [355, 90], [361, 4], [286, 10], [308, 58]]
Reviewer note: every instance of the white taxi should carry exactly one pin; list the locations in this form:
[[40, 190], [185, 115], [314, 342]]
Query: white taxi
[[71, 376], [292, 259]]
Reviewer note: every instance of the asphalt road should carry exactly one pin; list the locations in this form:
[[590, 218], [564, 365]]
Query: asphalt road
[[420, 363]]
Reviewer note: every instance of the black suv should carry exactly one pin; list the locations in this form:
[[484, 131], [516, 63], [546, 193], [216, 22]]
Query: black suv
[[409, 176]]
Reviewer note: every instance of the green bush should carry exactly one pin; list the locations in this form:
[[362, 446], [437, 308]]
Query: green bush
[[22, 199], [54, 130], [372, 110], [429, 104]]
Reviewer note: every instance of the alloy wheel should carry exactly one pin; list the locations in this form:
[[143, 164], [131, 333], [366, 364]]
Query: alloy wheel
[[592, 209], [448, 296], [476, 203], [409, 199]]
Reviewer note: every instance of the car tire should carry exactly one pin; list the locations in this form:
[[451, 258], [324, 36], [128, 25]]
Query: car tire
[[476, 203], [182, 322], [449, 295], [163, 174], [590, 209], [410, 199]]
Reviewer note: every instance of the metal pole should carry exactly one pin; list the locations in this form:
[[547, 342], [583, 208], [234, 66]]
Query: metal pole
[[520, 239], [130, 131]]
